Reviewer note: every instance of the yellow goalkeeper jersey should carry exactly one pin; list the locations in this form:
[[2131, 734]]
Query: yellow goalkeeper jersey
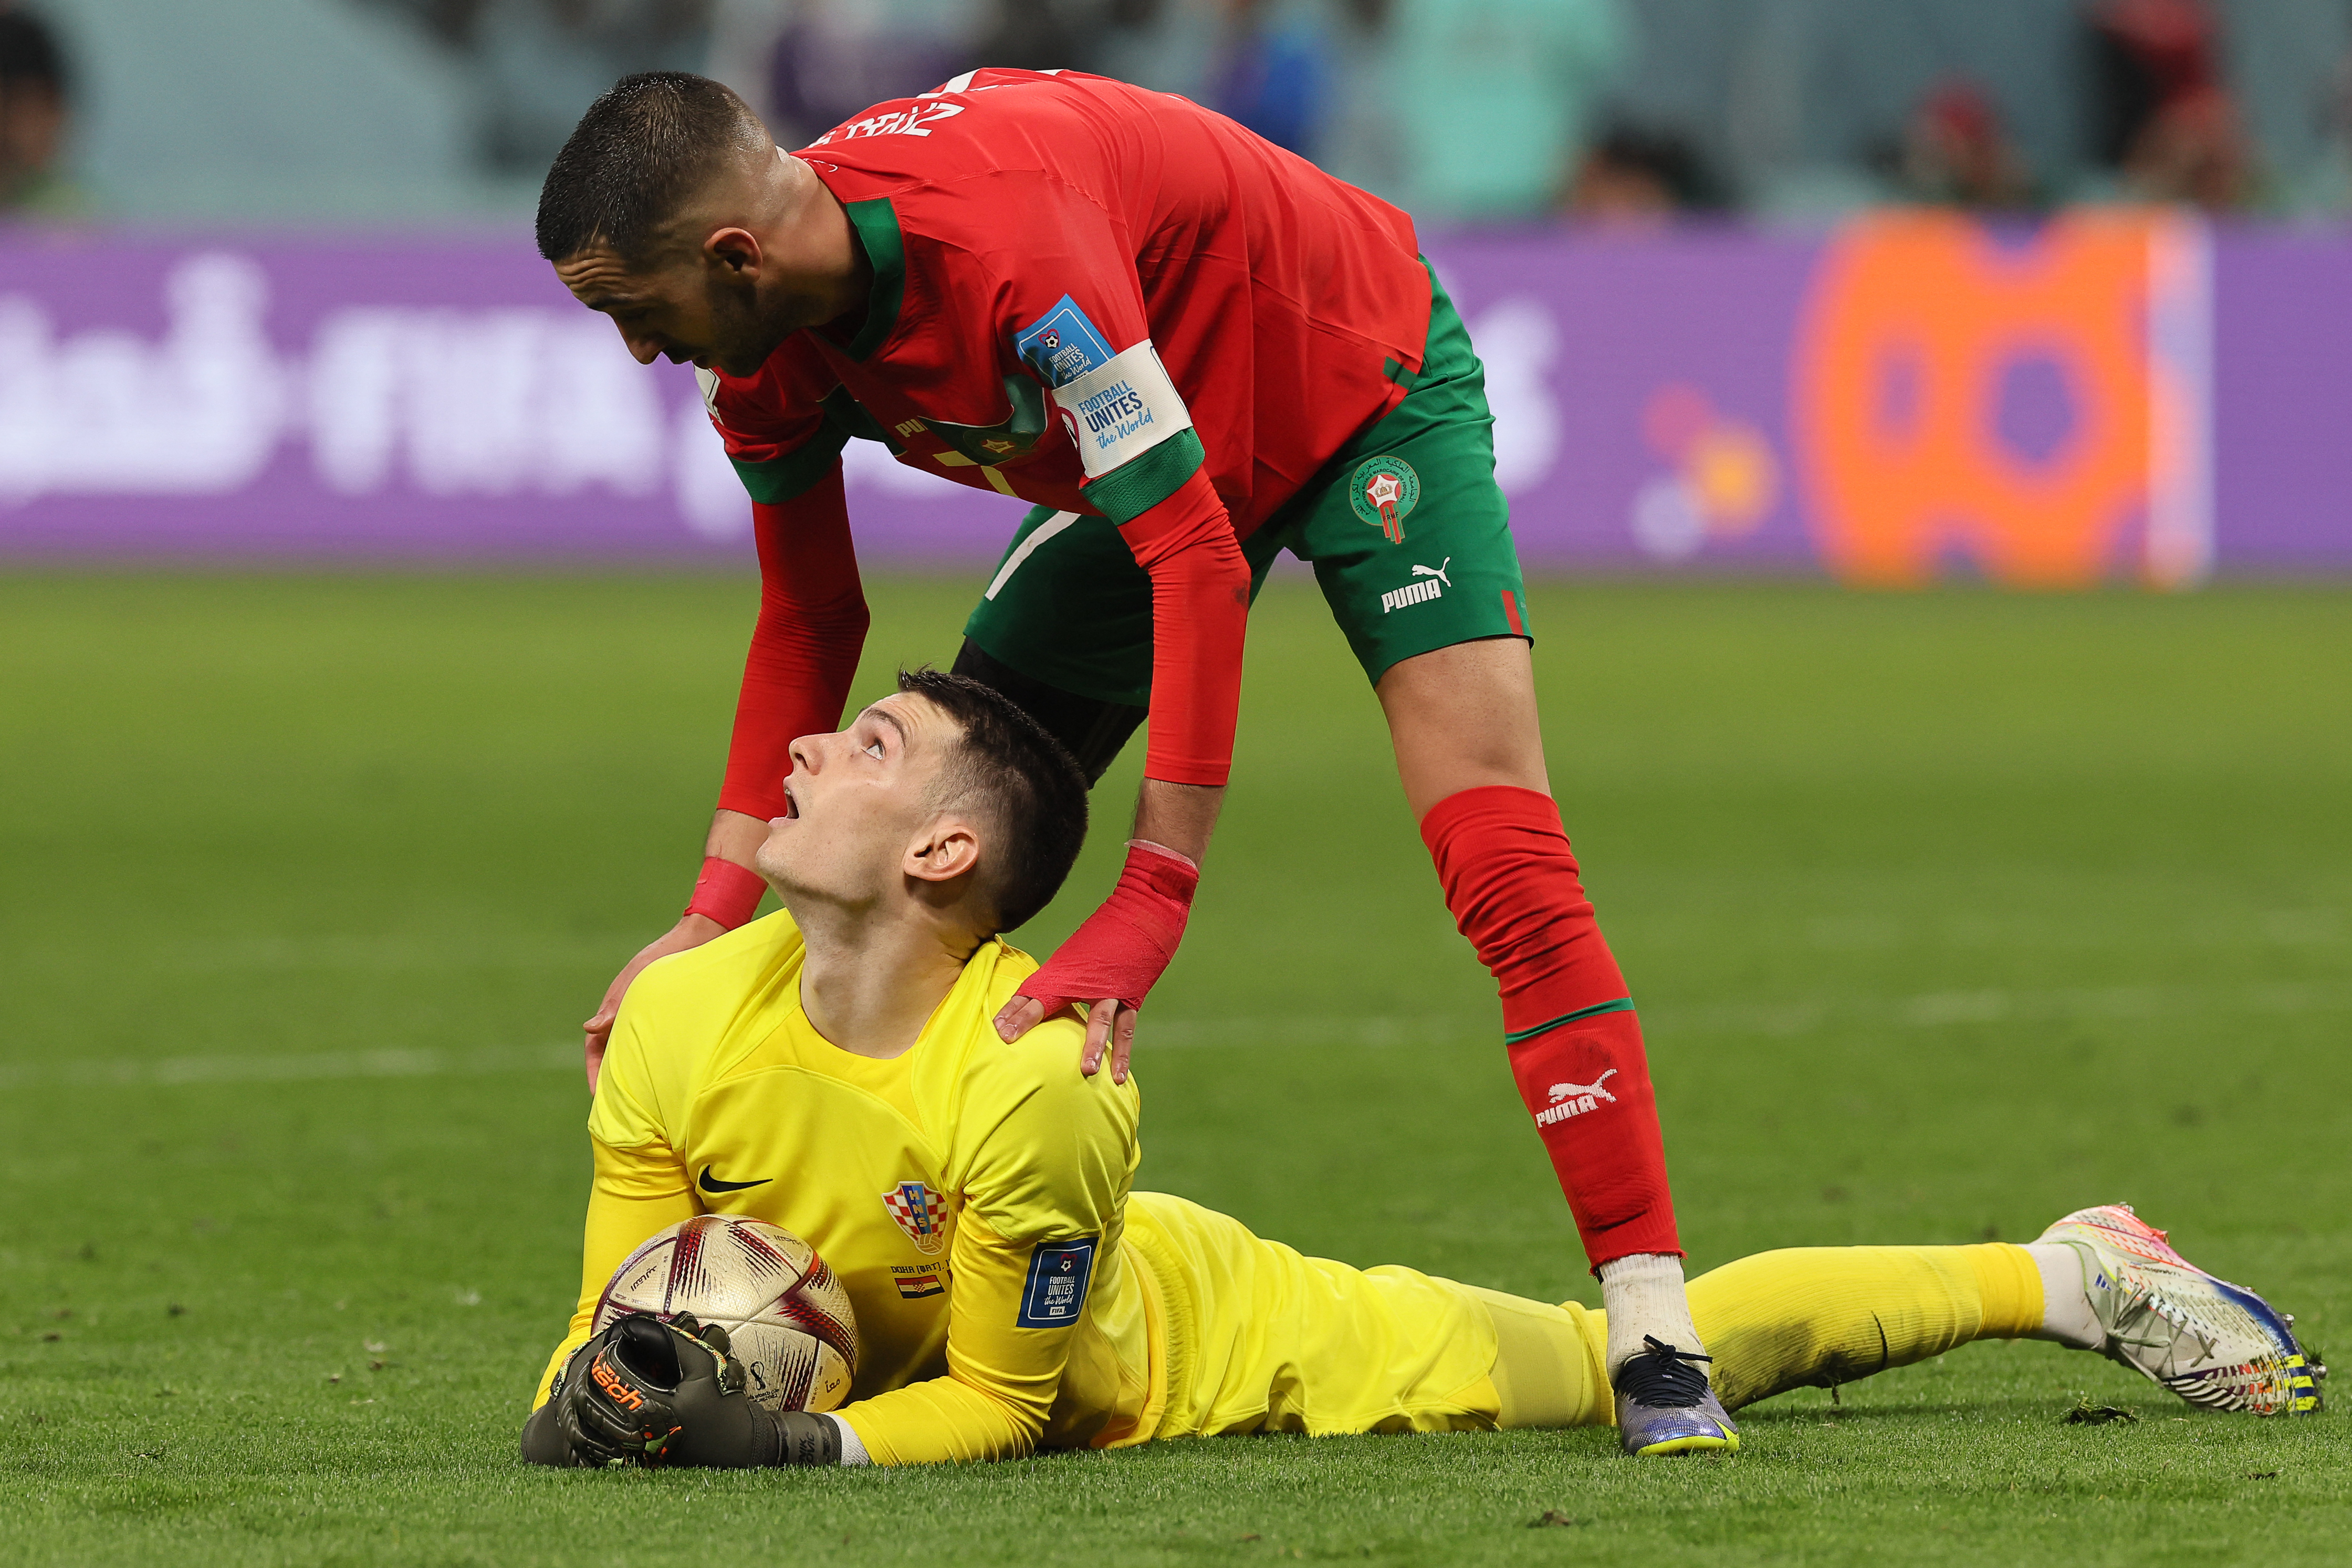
[[973, 1198]]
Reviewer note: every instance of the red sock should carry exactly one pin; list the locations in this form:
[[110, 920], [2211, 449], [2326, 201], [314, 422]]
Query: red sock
[[1574, 1042]]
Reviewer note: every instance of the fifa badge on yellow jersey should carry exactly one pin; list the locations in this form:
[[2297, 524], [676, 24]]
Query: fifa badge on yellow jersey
[[1055, 1294], [1384, 490], [921, 1212]]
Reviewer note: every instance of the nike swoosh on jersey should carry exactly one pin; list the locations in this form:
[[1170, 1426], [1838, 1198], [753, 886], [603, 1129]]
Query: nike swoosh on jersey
[[710, 1184]]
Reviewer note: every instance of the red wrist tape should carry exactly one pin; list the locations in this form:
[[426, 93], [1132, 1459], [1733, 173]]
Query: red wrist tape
[[726, 892], [1123, 947]]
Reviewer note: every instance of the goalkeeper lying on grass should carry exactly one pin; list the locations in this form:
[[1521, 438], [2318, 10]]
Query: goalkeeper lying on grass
[[832, 1069]]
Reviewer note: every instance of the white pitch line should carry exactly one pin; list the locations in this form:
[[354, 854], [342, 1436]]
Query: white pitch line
[[1265, 1031], [1943, 1009], [174, 1072]]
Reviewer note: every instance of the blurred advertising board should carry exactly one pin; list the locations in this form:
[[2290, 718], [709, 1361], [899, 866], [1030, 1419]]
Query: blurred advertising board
[[2110, 396]]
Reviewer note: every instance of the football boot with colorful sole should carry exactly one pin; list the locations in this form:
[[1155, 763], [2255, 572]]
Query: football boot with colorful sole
[[1665, 1404], [2215, 1344]]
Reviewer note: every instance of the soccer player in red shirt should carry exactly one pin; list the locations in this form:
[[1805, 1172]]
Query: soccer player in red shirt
[[1190, 350]]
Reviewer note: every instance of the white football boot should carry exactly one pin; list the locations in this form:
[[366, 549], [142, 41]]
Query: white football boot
[[2213, 1343]]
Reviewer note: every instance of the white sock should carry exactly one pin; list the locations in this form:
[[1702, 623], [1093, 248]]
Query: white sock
[[853, 1448], [1644, 1295], [2066, 1315]]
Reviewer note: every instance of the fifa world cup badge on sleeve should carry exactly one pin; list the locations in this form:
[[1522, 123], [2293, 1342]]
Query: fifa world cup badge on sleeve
[[1055, 1294], [1118, 406], [1061, 345], [921, 1212]]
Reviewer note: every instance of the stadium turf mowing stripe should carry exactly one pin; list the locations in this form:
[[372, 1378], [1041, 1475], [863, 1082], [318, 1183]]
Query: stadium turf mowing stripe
[[1948, 914], [1308, 1031]]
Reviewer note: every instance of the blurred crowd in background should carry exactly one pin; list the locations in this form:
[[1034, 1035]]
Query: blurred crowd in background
[[1461, 111]]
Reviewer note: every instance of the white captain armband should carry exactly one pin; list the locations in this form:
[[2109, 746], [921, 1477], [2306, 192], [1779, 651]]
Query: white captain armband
[[1120, 410], [1118, 406]]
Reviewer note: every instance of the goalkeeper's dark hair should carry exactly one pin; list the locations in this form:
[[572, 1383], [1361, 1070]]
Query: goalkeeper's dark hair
[[651, 139], [1034, 789]]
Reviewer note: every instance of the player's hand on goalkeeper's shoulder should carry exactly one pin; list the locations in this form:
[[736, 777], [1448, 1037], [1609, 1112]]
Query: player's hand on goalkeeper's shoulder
[[1116, 956], [725, 896], [643, 1392], [691, 930]]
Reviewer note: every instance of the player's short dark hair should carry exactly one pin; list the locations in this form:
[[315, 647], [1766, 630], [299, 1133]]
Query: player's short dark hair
[[651, 139], [1034, 787]]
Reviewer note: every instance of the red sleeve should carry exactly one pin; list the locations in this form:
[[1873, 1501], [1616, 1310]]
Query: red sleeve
[[1199, 615], [804, 646], [1066, 302]]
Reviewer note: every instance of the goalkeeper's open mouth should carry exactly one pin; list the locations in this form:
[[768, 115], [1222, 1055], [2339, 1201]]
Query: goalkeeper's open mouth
[[792, 807]]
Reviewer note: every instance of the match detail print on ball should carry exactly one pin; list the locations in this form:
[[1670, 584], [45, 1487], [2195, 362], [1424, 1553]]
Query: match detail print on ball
[[1384, 490]]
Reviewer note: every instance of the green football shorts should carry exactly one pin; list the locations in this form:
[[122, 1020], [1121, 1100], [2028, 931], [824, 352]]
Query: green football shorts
[[1407, 532]]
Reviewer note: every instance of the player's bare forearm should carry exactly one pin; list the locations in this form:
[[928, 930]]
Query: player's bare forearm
[[733, 837], [1178, 816]]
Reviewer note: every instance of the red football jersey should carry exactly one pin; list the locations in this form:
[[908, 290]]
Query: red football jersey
[[1024, 229], [1097, 299]]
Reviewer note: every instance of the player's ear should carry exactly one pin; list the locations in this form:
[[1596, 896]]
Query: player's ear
[[943, 851], [735, 251]]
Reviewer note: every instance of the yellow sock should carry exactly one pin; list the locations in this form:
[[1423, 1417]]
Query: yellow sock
[[1819, 1316], [1803, 1317], [1547, 1363]]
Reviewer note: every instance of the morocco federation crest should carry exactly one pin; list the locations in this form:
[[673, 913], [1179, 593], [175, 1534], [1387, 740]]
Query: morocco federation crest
[[921, 1212], [1384, 490]]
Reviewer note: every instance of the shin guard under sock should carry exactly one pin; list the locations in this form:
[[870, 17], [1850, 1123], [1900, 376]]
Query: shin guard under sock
[[1574, 1042]]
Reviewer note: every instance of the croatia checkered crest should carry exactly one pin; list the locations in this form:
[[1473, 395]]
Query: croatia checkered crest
[[921, 1212]]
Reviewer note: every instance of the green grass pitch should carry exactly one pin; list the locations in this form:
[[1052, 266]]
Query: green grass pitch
[[1947, 913]]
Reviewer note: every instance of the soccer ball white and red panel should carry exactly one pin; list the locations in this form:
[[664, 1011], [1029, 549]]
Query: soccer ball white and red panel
[[787, 1317]]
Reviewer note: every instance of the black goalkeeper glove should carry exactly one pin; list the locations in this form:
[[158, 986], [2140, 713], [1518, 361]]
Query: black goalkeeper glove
[[648, 1393], [553, 1436]]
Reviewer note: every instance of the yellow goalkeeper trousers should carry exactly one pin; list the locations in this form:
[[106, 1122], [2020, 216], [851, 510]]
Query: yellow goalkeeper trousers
[[1805, 1317], [1255, 1336]]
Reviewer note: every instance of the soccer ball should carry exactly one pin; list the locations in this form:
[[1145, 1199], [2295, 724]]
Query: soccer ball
[[787, 1318]]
